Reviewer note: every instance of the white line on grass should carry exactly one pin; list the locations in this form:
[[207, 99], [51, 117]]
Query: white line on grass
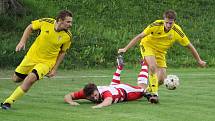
[[66, 77], [103, 76]]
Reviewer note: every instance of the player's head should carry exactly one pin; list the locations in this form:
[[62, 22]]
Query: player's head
[[91, 92], [64, 20], [169, 19]]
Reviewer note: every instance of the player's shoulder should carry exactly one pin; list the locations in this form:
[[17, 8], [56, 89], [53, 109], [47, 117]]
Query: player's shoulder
[[157, 23], [68, 33], [176, 26], [47, 20], [178, 30]]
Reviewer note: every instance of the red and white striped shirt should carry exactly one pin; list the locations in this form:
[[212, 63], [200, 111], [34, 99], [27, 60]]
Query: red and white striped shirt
[[118, 92]]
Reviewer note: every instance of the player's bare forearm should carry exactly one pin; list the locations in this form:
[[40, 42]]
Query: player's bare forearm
[[60, 58], [132, 42], [106, 102], [25, 36], [194, 52], [196, 55], [68, 99], [26, 33]]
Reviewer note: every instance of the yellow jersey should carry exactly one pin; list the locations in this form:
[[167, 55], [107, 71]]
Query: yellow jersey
[[159, 40], [49, 42]]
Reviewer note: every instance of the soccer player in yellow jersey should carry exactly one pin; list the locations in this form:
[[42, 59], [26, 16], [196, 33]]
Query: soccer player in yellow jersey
[[156, 39], [45, 54]]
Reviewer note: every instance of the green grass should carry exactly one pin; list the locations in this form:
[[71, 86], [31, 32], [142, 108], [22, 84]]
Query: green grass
[[192, 101]]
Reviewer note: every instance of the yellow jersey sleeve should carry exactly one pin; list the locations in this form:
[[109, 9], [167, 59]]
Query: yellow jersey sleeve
[[66, 45], [147, 30], [36, 24], [184, 41], [181, 38], [153, 27]]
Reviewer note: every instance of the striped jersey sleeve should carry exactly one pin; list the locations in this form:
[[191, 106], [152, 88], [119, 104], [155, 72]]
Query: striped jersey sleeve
[[36, 24], [67, 45], [153, 26], [180, 37]]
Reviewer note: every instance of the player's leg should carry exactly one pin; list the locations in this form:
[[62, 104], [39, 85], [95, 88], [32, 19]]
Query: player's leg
[[116, 75], [161, 62], [18, 77], [153, 80], [142, 79], [20, 90], [37, 73], [149, 55], [20, 74], [161, 75], [132, 92], [23, 70]]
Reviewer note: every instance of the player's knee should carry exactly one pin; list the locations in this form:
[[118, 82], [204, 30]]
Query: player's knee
[[32, 78], [28, 82]]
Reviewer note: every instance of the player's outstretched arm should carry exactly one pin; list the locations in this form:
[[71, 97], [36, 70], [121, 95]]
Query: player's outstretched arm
[[132, 43], [68, 99], [196, 55], [22, 42], [107, 101], [60, 58]]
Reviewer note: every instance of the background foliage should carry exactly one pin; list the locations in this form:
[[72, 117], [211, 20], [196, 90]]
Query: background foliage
[[101, 27]]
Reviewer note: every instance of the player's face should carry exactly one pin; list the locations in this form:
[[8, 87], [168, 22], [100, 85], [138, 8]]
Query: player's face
[[66, 23], [95, 96], [168, 23]]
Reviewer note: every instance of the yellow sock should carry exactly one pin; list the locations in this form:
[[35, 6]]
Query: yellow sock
[[153, 84], [15, 95]]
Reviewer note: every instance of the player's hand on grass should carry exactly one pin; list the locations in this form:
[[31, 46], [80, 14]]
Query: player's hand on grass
[[74, 103], [20, 46], [202, 63], [122, 50], [52, 73], [96, 106]]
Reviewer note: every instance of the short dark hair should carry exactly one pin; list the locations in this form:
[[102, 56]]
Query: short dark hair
[[63, 14], [170, 14], [89, 89]]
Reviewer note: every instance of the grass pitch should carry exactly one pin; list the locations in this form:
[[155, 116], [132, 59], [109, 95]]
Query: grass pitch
[[192, 101]]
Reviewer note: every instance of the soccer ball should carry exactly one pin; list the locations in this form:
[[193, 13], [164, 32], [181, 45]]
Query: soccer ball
[[171, 82]]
